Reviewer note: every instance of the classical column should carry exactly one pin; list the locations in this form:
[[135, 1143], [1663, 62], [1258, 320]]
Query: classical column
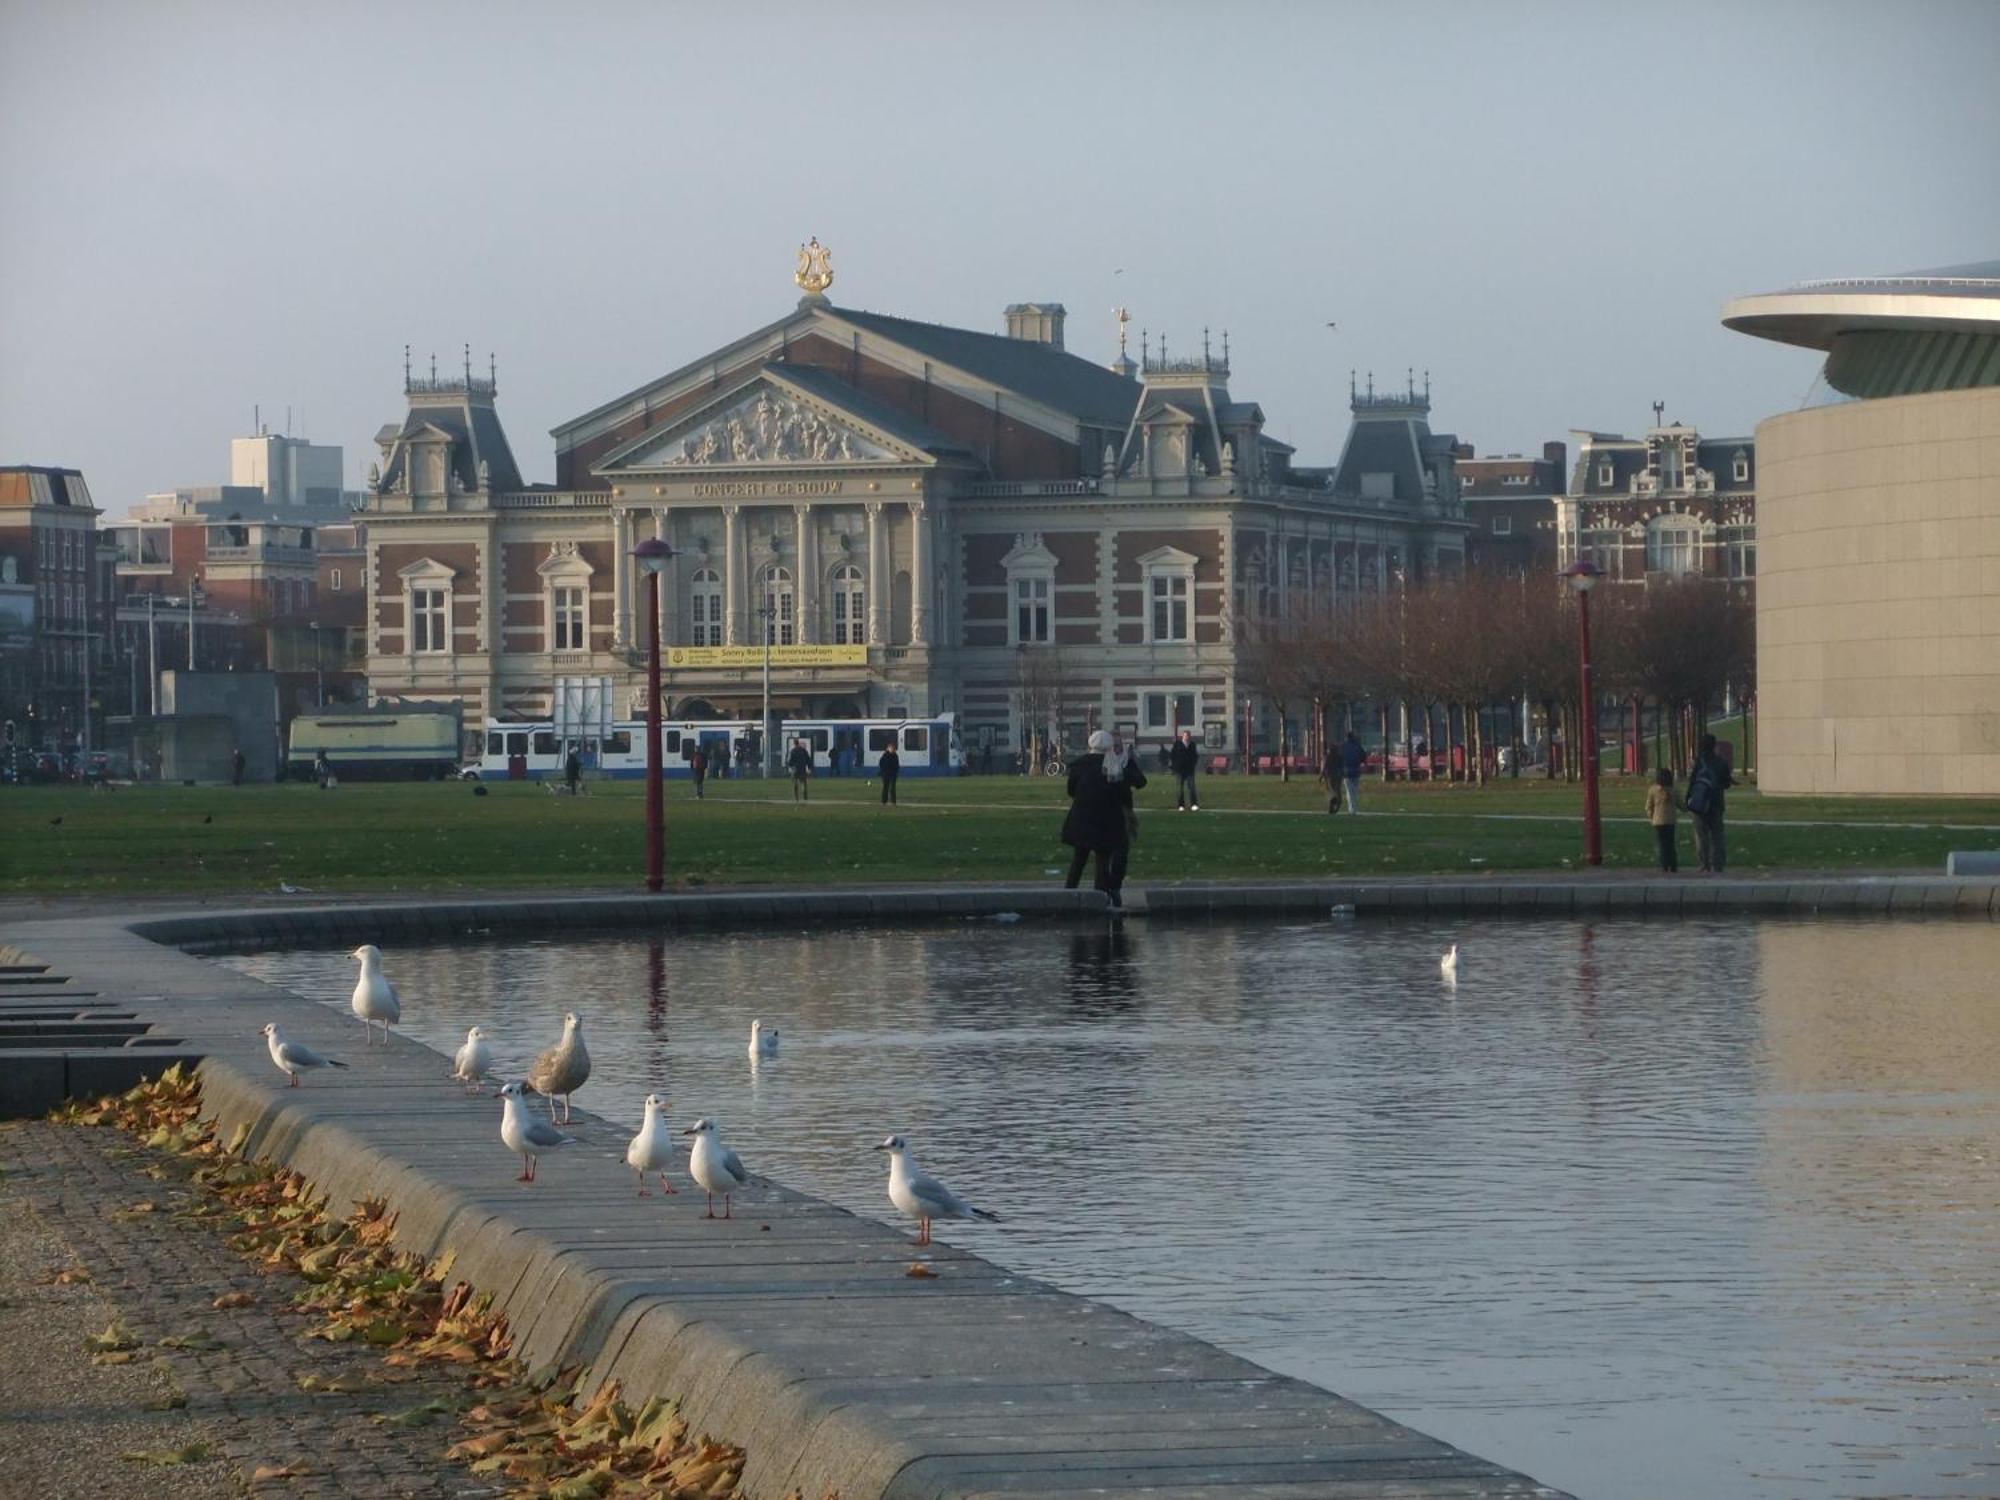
[[621, 589], [921, 584], [670, 585], [808, 579], [878, 582], [734, 589]]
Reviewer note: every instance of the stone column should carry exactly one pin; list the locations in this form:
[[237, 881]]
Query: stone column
[[922, 587], [807, 584], [734, 589], [878, 583], [670, 588], [621, 589]]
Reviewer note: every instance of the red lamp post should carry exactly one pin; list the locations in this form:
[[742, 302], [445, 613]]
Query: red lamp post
[[1582, 575], [652, 556]]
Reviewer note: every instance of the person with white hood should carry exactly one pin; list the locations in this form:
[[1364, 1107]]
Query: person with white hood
[[1101, 820]]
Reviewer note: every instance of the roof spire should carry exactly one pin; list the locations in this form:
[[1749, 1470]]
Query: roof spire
[[406, 369], [468, 367]]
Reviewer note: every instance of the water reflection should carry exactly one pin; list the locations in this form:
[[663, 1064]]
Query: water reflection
[[1699, 1208]]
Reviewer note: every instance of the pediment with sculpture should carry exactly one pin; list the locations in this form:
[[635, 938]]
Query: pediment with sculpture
[[764, 425]]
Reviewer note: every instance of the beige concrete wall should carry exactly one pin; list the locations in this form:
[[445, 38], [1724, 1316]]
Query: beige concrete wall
[[1878, 597]]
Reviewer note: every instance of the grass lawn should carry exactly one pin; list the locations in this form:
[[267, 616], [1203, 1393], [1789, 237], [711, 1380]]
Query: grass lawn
[[159, 841]]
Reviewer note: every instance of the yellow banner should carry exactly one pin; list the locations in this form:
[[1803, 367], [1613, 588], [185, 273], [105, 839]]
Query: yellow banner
[[753, 656]]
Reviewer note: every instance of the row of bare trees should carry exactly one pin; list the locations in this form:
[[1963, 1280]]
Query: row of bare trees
[[1469, 651]]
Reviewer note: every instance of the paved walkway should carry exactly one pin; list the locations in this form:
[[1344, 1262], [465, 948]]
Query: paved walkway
[[65, 1200]]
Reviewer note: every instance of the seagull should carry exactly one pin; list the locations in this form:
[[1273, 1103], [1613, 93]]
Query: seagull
[[714, 1166], [921, 1196], [762, 1043], [374, 997], [652, 1148], [524, 1133], [294, 1058], [563, 1069], [1448, 965], [474, 1060]]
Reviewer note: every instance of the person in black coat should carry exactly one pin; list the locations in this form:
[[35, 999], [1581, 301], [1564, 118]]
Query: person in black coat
[[1182, 760], [1707, 782], [1100, 790], [891, 766], [800, 764]]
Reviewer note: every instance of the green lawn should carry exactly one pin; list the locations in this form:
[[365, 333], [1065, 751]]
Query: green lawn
[[410, 838]]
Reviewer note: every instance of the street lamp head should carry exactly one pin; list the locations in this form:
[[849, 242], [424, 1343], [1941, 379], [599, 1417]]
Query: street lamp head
[[1582, 575], [652, 555]]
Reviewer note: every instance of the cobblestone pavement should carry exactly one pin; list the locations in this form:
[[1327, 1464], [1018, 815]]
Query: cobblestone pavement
[[68, 1196]]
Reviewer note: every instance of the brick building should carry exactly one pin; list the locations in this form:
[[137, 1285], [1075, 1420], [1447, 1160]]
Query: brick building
[[923, 519], [1669, 505], [55, 593], [1510, 506]]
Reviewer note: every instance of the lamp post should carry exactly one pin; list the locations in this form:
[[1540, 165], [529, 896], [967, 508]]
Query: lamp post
[[767, 613], [1582, 575], [194, 602], [319, 667], [652, 556]]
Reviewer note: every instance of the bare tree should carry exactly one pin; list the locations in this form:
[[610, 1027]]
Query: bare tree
[[1042, 689]]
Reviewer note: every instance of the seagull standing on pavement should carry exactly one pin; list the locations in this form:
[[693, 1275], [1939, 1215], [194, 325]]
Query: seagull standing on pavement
[[523, 1133], [763, 1043], [294, 1058], [374, 997], [473, 1061], [714, 1166], [652, 1148], [563, 1069], [921, 1196]]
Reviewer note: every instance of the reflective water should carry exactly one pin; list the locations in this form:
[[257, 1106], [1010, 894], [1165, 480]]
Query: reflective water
[[1644, 1210]]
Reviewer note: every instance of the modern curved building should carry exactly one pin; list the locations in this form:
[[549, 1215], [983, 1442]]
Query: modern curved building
[[1878, 590]]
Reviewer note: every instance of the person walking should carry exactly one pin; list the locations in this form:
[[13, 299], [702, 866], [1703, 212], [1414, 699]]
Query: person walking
[[1121, 769], [722, 758], [1707, 782], [1182, 759], [1332, 771], [573, 771], [236, 766], [698, 768], [1352, 759], [1661, 805], [1095, 827], [322, 770], [891, 766], [800, 762]]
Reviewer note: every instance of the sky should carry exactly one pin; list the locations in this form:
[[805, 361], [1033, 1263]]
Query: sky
[[216, 208]]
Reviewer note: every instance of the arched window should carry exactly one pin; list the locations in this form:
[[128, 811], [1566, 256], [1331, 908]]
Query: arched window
[[779, 609], [1673, 545], [850, 606], [705, 600]]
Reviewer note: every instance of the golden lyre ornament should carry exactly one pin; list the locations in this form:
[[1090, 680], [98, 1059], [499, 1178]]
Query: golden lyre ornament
[[815, 272]]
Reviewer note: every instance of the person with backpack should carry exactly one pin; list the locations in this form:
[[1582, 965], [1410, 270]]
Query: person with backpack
[[1707, 783]]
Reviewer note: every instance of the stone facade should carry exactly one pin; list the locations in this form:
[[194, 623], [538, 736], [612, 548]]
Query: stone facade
[[989, 525]]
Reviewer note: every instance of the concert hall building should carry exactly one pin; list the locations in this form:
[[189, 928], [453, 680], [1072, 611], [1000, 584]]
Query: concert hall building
[[923, 519]]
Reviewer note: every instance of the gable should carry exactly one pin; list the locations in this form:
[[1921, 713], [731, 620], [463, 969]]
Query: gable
[[765, 422]]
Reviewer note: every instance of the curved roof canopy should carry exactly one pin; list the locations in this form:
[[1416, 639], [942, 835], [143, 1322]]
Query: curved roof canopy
[[1812, 315]]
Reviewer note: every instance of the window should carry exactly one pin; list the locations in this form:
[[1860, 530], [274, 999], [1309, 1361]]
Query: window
[[333, 580], [917, 737], [1514, 479], [496, 743], [850, 623], [545, 742], [618, 742], [429, 620], [1604, 473], [1741, 469], [705, 594], [780, 619], [1169, 594], [517, 742], [1673, 545], [880, 740], [1168, 712], [1032, 597], [1739, 553], [566, 618], [1503, 525]]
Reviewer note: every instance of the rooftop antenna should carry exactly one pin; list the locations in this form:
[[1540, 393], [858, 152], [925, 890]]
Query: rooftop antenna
[[1145, 348], [406, 367], [1352, 391], [492, 372], [256, 418], [1658, 408], [1225, 347], [1410, 381], [1371, 385], [434, 367], [1163, 350], [468, 367], [1204, 345], [1427, 386]]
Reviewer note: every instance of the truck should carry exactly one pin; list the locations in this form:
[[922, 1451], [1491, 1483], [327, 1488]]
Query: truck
[[382, 743]]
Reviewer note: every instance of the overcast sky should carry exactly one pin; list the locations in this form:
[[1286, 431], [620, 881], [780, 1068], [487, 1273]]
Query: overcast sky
[[213, 206]]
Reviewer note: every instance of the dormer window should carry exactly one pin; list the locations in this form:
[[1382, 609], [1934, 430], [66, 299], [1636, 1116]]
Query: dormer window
[[1605, 474], [1740, 470]]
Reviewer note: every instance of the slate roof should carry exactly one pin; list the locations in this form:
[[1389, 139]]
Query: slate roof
[[475, 432], [857, 403], [1381, 447], [1094, 395]]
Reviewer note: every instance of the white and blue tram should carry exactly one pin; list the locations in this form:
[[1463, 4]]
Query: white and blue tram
[[530, 750]]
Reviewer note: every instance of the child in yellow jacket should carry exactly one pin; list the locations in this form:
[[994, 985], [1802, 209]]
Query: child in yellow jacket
[[1661, 807]]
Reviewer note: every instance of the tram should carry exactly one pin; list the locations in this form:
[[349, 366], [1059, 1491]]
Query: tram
[[532, 750]]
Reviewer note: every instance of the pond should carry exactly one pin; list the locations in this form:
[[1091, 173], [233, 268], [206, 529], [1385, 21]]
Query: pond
[[1685, 1208]]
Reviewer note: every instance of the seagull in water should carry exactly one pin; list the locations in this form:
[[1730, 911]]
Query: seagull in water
[[921, 1196], [763, 1043], [1448, 965], [374, 997], [294, 1058], [473, 1061], [522, 1132], [652, 1148], [563, 1069], [714, 1166]]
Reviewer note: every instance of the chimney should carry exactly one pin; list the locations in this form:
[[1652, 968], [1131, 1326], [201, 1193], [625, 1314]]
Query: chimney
[[1556, 456], [1036, 322]]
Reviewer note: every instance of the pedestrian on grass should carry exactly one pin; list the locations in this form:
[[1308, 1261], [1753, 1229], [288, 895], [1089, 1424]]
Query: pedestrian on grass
[[1352, 759], [1707, 782], [236, 766], [573, 770], [698, 768], [1182, 760], [322, 770], [890, 766], [1661, 806], [722, 758], [1332, 770], [800, 763]]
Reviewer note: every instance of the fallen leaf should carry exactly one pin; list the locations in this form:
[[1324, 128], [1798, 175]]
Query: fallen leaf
[[115, 1336], [72, 1275], [918, 1271], [265, 1473], [114, 1357], [233, 1299], [193, 1453]]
